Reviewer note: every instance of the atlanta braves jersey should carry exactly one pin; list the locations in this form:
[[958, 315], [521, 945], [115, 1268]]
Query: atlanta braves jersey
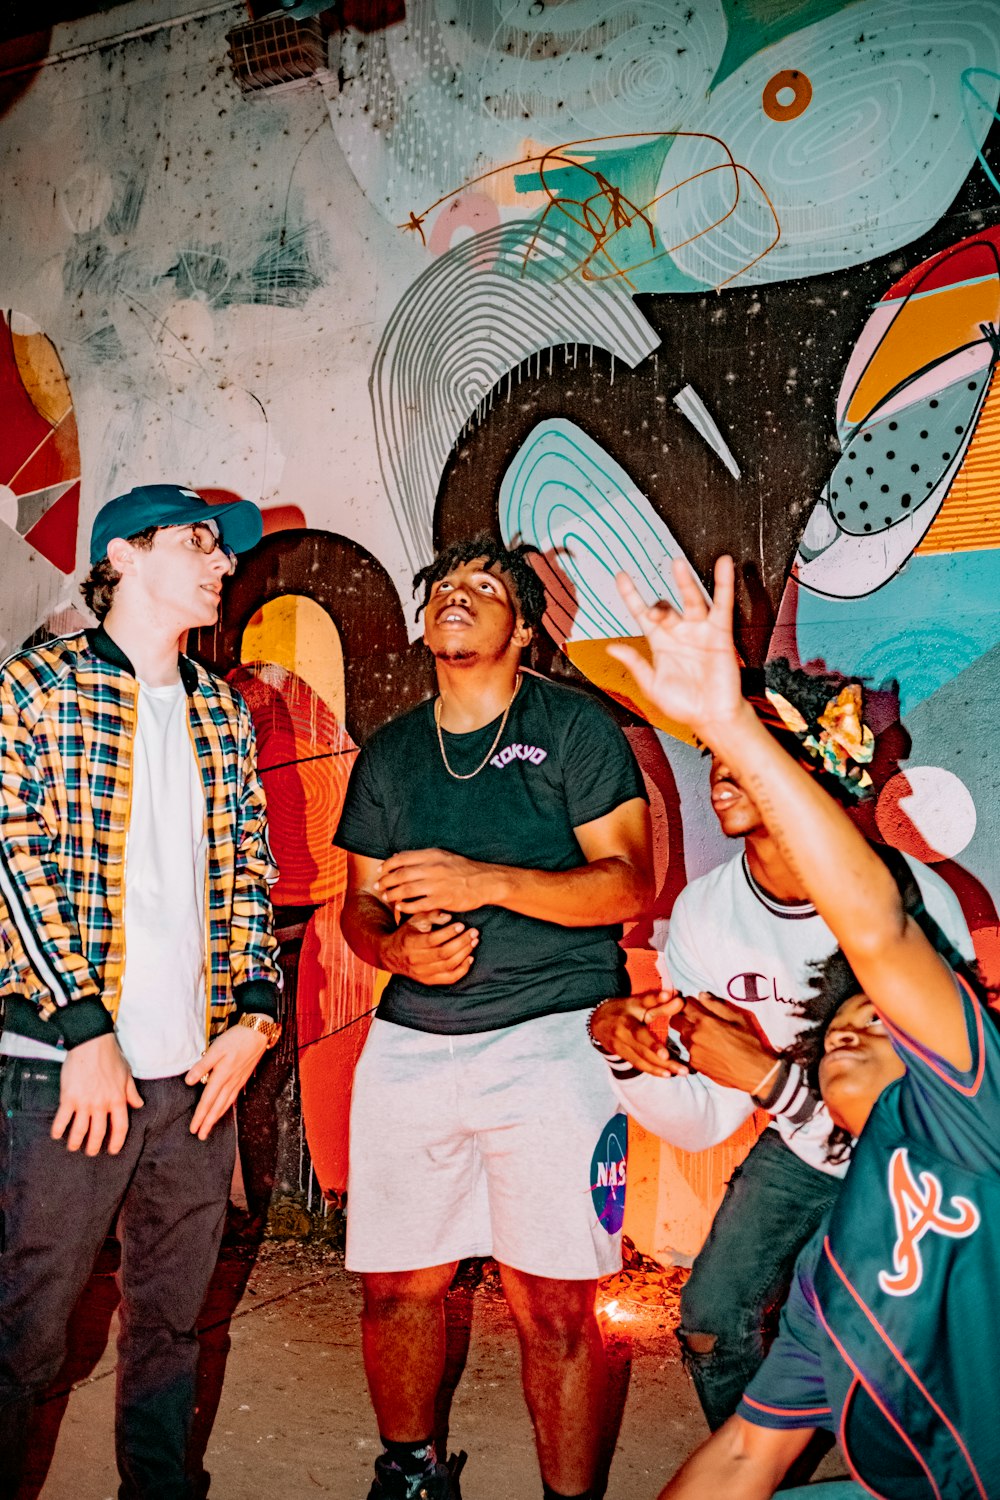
[[889, 1337]]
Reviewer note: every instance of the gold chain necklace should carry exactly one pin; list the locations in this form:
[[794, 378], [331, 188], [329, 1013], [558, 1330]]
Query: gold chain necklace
[[503, 724]]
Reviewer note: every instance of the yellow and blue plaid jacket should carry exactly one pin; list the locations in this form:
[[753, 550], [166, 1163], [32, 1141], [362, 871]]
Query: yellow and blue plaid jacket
[[67, 724]]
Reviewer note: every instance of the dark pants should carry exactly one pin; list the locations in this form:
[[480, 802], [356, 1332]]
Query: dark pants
[[773, 1205], [57, 1207]]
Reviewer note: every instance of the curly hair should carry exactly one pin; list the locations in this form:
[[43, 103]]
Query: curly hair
[[98, 588], [834, 981], [529, 594], [810, 693]]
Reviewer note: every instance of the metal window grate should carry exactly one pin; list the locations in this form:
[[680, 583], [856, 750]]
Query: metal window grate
[[274, 51]]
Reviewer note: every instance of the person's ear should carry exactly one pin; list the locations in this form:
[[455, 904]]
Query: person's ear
[[523, 634], [120, 554]]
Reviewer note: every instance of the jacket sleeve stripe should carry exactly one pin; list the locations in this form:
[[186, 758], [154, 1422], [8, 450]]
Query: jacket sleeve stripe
[[37, 957]]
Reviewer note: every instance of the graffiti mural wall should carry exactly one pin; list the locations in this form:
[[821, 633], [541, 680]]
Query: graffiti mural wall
[[628, 279]]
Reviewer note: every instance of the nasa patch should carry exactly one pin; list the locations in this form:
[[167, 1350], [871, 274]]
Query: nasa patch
[[607, 1173]]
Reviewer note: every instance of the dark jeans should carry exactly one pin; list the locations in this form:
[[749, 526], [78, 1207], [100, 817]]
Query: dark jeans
[[773, 1205], [57, 1207]]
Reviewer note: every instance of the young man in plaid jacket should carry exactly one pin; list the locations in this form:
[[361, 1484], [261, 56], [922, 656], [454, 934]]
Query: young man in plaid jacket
[[138, 970]]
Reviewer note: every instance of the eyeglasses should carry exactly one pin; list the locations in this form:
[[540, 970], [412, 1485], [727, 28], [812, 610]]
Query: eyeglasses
[[206, 540]]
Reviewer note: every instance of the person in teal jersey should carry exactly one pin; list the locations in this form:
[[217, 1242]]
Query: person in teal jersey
[[497, 837], [889, 1334]]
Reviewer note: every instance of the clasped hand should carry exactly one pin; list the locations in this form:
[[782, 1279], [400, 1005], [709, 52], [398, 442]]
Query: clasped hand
[[430, 948], [625, 1025], [724, 1043], [431, 880]]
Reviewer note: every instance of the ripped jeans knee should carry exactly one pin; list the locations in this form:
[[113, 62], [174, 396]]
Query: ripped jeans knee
[[720, 1368], [693, 1344]]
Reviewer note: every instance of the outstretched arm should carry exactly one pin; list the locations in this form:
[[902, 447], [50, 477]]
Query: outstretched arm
[[740, 1461], [695, 677]]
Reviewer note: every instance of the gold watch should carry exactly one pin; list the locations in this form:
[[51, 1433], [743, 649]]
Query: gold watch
[[269, 1030]]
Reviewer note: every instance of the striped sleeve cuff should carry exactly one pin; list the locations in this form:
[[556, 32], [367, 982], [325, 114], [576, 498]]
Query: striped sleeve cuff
[[789, 1095], [784, 1418], [619, 1067]]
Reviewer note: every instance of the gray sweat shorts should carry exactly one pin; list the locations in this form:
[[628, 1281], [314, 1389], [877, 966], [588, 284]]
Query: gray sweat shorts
[[507, 1143]]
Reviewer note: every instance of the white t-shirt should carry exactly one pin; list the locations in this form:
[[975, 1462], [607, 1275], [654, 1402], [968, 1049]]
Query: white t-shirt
[[729, 937], [162, 1010]]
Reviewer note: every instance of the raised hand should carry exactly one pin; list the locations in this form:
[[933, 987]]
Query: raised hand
[[694, 676]]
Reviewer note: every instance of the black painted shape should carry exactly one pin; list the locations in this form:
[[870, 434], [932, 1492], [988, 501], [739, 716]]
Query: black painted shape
[[384, 672]]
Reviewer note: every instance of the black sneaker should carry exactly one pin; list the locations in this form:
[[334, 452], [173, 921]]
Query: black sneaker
[[392, 1484]]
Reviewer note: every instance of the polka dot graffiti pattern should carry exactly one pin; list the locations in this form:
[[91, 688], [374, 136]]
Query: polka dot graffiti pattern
[[890, 468]]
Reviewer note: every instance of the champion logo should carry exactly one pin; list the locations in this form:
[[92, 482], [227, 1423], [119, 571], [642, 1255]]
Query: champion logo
[[752, 989], [532, 753], [916, 1204]]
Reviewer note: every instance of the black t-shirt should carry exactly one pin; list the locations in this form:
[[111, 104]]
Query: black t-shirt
[[561, 762]]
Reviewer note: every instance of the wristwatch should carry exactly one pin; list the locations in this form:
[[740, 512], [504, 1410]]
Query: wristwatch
[[269, 1030]]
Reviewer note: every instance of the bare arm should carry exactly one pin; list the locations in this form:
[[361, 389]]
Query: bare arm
[[431, 949], [613, 886], [741, 1462], [695, 677]]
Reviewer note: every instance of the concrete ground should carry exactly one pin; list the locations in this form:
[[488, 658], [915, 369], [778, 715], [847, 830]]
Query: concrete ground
[[283, 1406]]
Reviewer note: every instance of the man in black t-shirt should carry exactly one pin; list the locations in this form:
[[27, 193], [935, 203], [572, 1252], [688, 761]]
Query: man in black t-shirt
[[497, 837]]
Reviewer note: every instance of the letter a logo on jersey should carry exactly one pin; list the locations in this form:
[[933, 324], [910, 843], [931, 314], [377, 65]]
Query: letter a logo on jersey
[[916, 1204]]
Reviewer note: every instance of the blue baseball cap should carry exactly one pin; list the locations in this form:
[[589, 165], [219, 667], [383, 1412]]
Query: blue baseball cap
[[240, 523]]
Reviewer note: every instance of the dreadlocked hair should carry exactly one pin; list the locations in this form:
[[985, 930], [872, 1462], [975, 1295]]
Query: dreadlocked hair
[[834, 981], [529, 594]]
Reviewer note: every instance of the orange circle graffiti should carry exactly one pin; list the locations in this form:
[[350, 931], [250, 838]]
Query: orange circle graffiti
[[788, 78]]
